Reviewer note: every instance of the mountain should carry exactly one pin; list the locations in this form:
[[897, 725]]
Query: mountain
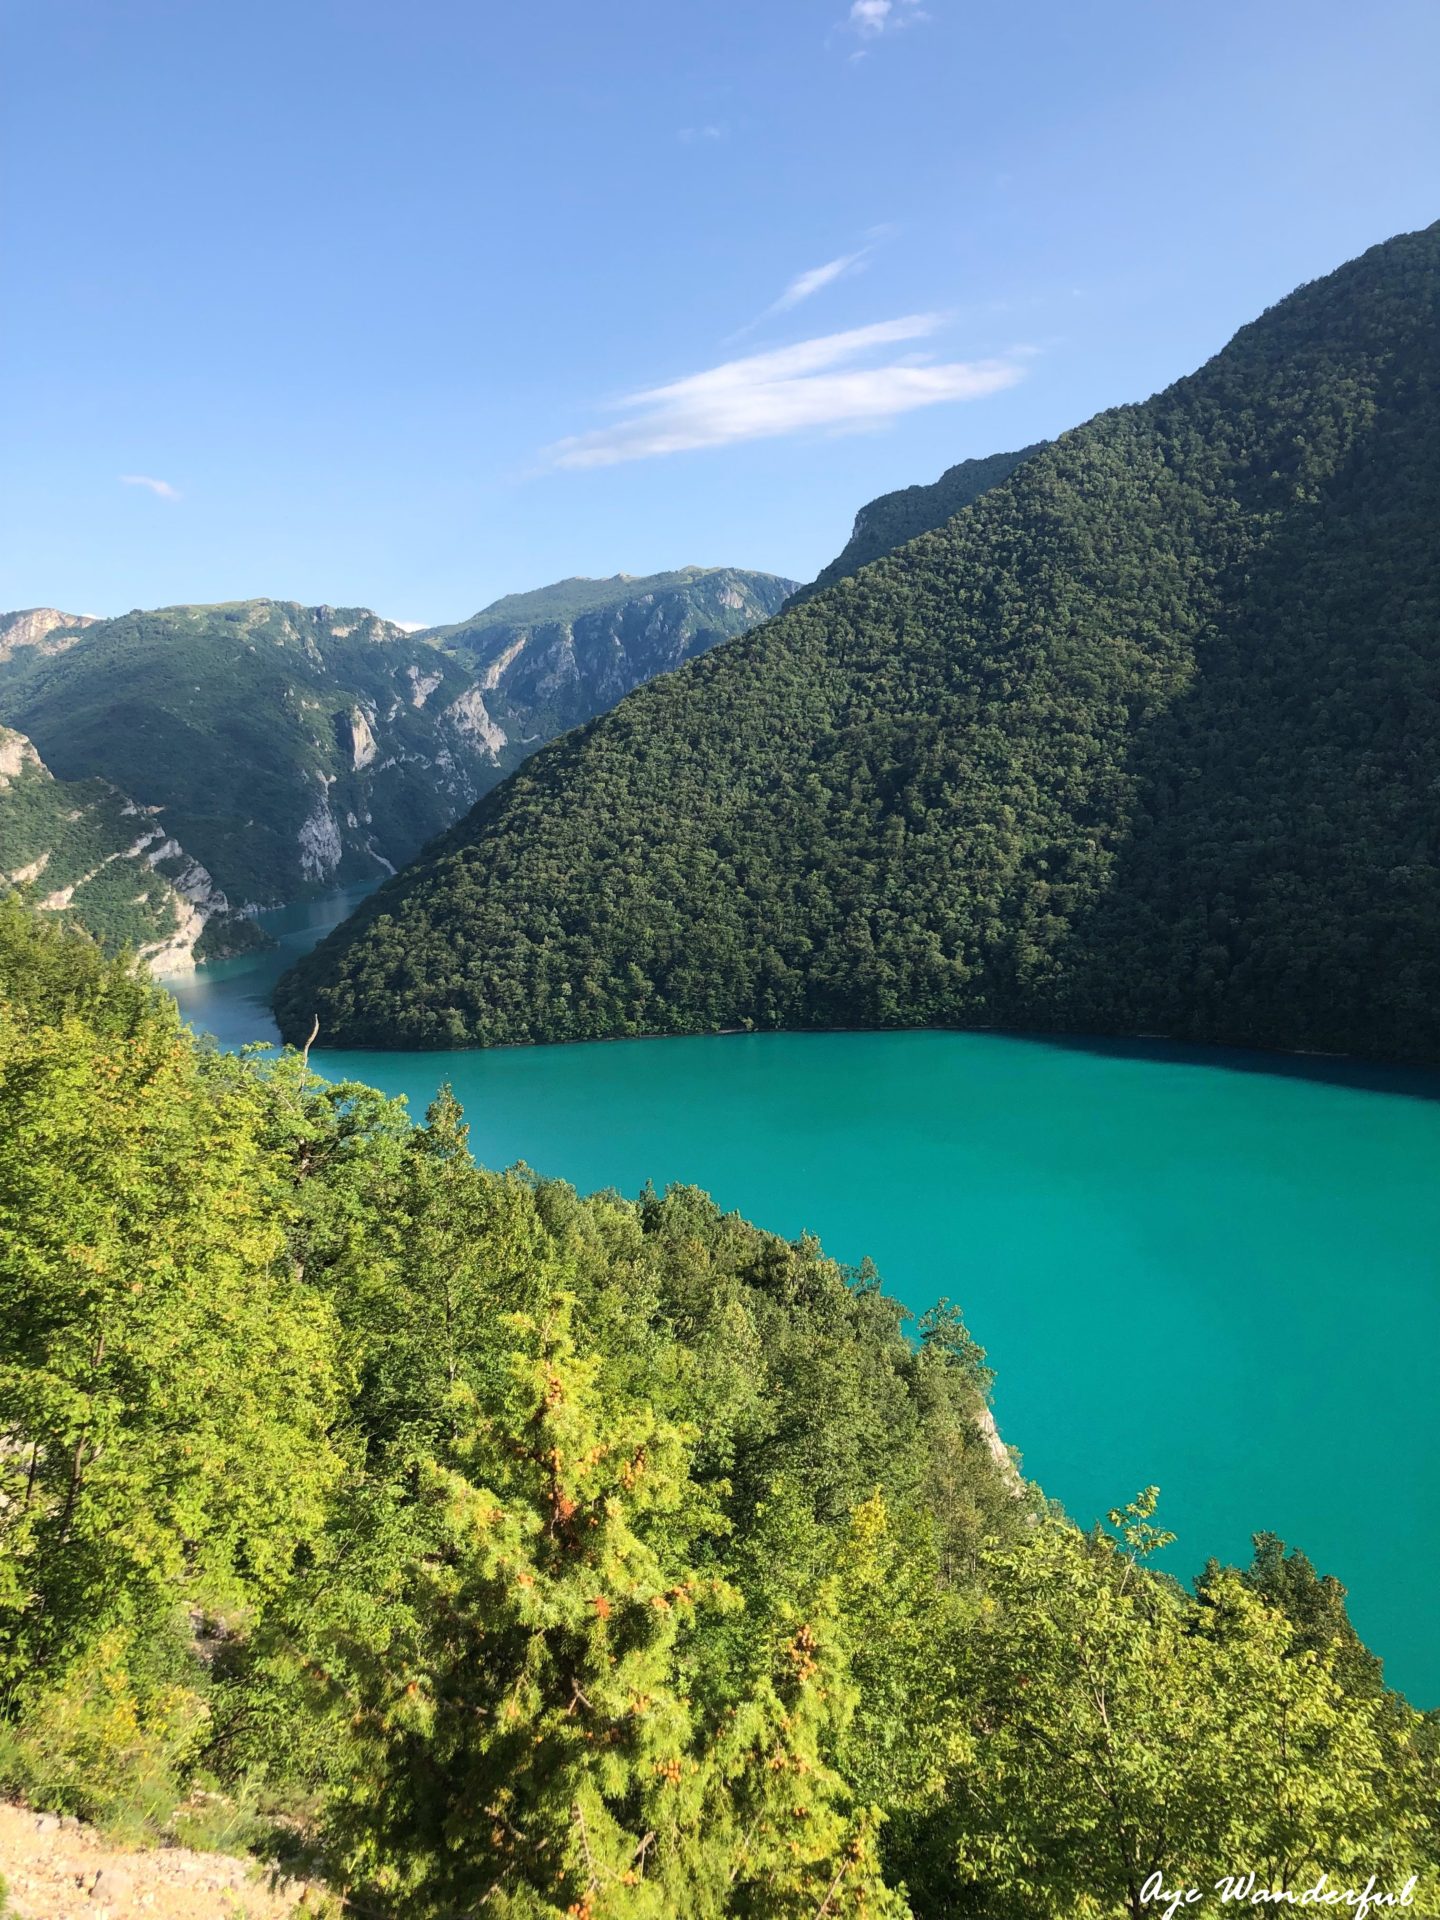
[[46, 629], [547, 661], [291, 748], [84, 852], [893, 519], [1145, 740], [285, 745]]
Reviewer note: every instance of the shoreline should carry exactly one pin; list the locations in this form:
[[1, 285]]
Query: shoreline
[[1275, 1059]]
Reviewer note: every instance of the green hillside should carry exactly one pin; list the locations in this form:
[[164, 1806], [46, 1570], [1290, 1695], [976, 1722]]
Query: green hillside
[[1147, 739], [894, 518], [82, 851]]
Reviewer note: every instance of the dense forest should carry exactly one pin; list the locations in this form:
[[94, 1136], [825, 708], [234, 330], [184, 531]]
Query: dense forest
[[1145, 739], [490, 1548]]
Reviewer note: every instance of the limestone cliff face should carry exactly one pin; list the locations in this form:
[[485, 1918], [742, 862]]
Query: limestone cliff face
[[549, 661], [82, 850], [17, 755], [45, 629], [321, 848], [470, 718], [362, 739]]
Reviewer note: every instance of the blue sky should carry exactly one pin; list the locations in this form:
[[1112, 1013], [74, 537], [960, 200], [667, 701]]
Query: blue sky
[[411, 306]]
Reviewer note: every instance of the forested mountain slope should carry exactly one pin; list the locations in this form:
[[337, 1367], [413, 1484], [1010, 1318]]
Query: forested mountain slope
[[892, 519], [1147, 739], [82, 851], [548, 660], [499, 1550]]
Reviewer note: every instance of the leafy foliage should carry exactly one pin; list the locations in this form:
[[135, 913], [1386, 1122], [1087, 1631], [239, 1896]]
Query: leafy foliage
[[1143, 740], [578, 1559]]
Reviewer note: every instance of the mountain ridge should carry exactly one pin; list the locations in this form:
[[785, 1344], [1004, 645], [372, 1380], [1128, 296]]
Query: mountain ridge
[[1139, 741], [294, 748], [893, 519]]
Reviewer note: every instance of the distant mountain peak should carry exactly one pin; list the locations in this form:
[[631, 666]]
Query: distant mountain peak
[[45, 628], [564, 601]]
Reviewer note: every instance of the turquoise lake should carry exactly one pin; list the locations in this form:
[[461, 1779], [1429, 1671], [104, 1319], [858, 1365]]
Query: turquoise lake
[[1216, 1272]]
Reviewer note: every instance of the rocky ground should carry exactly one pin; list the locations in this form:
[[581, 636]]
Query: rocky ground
[[58, 1869]]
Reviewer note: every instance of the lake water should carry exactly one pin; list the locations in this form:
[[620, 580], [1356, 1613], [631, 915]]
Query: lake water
[[1216, 1272]]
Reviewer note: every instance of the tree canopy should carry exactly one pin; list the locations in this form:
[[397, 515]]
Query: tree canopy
[[557, 1557]]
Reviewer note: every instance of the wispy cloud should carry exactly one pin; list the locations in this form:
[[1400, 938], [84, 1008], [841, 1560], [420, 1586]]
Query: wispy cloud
[[715, 130], [805, 285], [871, 18], [813, 384], [161, 488]]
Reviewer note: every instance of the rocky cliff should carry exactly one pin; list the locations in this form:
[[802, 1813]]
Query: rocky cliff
[[547, 661], [83, 850]]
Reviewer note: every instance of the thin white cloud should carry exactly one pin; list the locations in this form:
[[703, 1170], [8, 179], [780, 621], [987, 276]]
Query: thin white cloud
[[871, 18], [805, 285], [161, 488], [716, 130], [812, 384]]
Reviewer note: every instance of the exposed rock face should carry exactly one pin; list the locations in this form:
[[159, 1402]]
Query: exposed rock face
[[125, 886], [549, 661], [232, 719], [1003, 1456], [46, 629], [16, 754], [502, 662], [362, 740], [470, 718], [422, 685], [320, 846], [288, 747]]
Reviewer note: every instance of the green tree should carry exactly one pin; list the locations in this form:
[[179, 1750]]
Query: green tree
[[1123, 1730], [166, 1381], [530, 1719]]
